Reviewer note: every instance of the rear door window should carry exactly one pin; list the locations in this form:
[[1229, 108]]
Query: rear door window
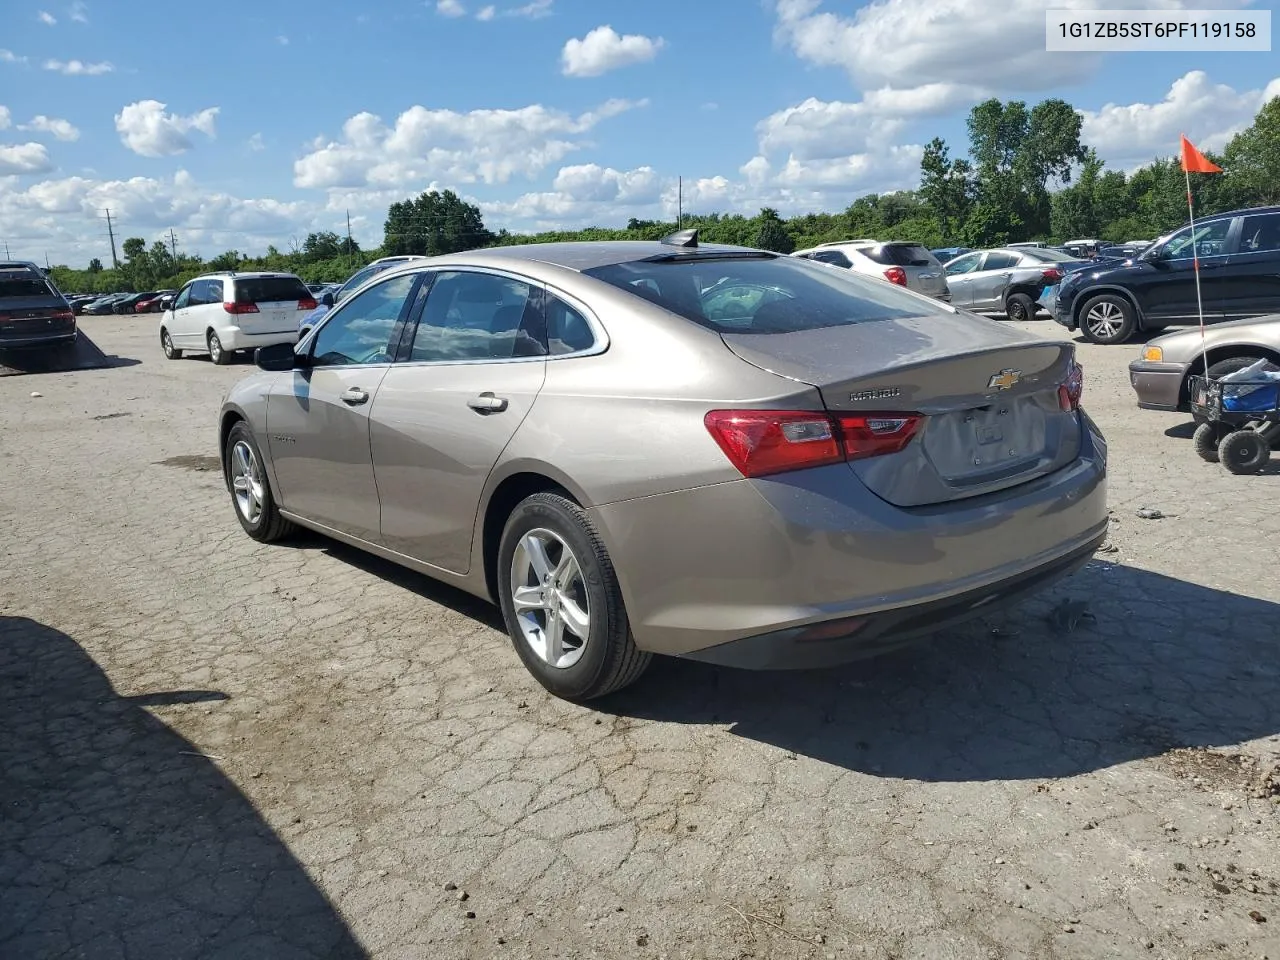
[[1260, 233], [1000, 261], [270, 290]]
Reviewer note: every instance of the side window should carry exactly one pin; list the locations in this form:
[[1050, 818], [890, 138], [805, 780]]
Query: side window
[[567, 329], [476, 316], [966, 264], [199, 289], [184, 298], [213, 291], [1260, 233], [1000, 261], [1210, 241], [833, 257], [360, 331]]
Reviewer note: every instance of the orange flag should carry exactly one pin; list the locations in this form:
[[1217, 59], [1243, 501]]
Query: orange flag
[[1193, 161]]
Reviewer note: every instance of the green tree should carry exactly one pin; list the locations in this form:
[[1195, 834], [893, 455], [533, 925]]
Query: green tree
[[772, 233], [323, 245], [95, 265], [433, 224], [1252, 159], [946, 187]]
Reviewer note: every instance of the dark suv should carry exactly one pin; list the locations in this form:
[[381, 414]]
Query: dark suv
[[32, 311], [1239, 277]]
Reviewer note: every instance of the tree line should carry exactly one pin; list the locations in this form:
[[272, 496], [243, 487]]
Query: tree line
[[1026, 176]]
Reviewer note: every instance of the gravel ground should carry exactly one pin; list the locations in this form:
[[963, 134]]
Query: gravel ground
[[212, 748]]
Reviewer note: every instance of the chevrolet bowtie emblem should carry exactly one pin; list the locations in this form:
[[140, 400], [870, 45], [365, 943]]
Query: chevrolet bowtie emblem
[[1004, 379]]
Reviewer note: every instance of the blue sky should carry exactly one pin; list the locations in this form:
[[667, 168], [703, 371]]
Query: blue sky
[[254, 123]]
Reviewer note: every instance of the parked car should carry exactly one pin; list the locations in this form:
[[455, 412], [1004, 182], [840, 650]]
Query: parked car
[[1159, 376], [153, 303], [103, 305], [943, 254], [129, 304], [1239, 255], [901, 262], [1009, 281], [221, 313], [1082, 249], [32, 311], [329, 299], [761, 488]]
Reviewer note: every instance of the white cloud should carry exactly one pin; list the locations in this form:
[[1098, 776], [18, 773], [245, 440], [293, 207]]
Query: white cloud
[[282, 40], [77, 68], [79, 12], [532, 11], [491, 146], [603, 50], [957, 50], [450, 8], [821, 130], [24, 158], [8, 56], [147, 130], [48, 19], [61, 129], [487, 13], [5, 118], [1209, 114], [256, 143]]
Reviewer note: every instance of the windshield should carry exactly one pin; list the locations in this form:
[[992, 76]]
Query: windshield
[[359, 277], [900, 255], [763, 295], [24, 287]]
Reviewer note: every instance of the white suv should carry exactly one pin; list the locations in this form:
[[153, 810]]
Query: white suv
[[907, 264], [220, 313]]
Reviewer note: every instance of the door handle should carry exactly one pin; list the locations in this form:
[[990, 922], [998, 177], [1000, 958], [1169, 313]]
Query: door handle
[[353, 396], [487, 403]]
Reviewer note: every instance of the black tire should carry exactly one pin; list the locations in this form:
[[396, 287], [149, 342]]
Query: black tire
[[1108, 318], [268, 525], [166, 344], [1020, 307], [609, 659], [216, 353], [1206, 440], [1244, 452], [1230, 365]]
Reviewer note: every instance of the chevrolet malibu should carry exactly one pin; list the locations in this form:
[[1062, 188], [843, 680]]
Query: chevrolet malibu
[[641, 448]]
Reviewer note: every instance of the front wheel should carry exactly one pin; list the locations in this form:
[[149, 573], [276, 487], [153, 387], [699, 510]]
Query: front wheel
[[1020, 307], [1108, 319], [166, 344], [562, 603], [1244, 451], [1206, 439], [251, 495], [216, 353]]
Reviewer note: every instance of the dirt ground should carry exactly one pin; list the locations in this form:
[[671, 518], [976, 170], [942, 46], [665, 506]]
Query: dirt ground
[[213, 748]]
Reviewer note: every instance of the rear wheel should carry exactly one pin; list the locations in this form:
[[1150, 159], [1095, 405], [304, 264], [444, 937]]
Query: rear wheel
[[251, 494], [1020, 307], [1244, 451], [166, 344], [216, 353], [562, 603], [1206, 440], [1108, 318]]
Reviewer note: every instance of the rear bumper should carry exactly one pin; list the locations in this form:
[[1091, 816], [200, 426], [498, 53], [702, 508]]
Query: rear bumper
[[63, 333], [722, 563], [233, 338], [1158, 385]]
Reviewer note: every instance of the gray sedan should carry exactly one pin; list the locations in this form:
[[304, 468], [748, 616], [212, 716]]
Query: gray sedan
[[1012, 281], [1159, 376], [642, 448]]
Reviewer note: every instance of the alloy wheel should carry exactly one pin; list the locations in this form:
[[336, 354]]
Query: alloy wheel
[[550, 598], [246, 481], [1105, 320]]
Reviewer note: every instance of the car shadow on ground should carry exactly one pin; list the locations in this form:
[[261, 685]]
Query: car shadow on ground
[[1159, 664], [118, 838], [84, 354]]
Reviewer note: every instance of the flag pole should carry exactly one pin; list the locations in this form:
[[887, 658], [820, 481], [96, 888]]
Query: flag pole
[[1195, 262]]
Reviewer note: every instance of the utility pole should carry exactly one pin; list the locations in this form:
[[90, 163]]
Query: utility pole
[[349, 245], [46, 261], [115, 261], [6, 251], [173, 245], [679, 202]]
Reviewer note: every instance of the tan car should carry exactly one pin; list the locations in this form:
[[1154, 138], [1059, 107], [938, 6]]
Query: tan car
[[642, 448], [1159, 376]]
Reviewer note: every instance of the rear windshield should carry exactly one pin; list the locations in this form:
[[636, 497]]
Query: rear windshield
[[270, 289], [24, 287], [900, 255], [1045, 255], [763, 295]]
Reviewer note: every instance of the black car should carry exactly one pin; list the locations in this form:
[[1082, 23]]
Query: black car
[[1239, 255], [127, 304], [32, 311]]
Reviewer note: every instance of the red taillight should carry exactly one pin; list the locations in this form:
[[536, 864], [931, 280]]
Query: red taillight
[[238, 308], [1052, 275], [763, 442], [63, 315], [896, 275], [306, 303], [1072, 390]]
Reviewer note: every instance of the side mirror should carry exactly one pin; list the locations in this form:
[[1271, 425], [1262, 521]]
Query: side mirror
[[327, 299], [277, 356], [1154, 255]]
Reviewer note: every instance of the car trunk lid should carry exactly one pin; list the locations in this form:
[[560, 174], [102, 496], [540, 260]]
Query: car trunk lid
[[989, 397]]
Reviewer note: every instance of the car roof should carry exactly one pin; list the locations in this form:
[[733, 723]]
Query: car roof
[[247, 275], [583, 254]]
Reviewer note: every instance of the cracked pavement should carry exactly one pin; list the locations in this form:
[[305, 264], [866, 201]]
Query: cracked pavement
[[214, 748]]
